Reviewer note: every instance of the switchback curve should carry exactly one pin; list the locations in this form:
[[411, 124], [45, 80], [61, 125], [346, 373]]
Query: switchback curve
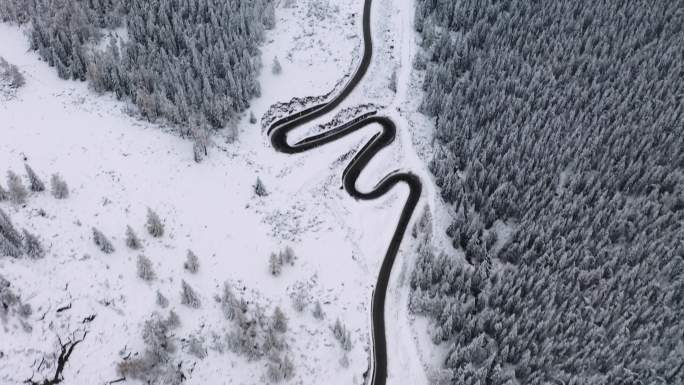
[[278, 132]]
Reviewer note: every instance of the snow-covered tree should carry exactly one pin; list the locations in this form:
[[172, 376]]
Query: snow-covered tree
[[58, 186], [189, 297], [276, 68], [191, 263], [318, 311], [17, 191], [4, 194], [288, 255], [35, 183], [132, 240], [32, 246], [300, 299], [162, 301], [342, 335], [145, 270], [154, 224], [393, 81], [102, 242], [279, 320], [275, 264], [259, 188]]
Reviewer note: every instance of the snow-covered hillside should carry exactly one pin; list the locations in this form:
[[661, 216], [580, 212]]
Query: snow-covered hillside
[[117, 167]]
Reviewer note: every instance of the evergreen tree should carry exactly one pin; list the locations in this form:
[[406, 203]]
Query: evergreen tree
[[259, 188], [132, 240], [275, 264], [145, 270], [17, 191], [102, 242], [154, 224], [59, 188], [192, 262], [279, 320], [162, 301], [35, 183], [189, 297], [32, 246]]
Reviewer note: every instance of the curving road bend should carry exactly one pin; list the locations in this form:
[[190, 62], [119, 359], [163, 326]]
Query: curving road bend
[[278, 132]]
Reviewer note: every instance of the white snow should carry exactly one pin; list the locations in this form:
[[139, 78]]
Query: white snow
[[117, 166]]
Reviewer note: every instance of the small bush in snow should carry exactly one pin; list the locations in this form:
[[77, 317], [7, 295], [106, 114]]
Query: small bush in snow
[[162, 301], [342, 335], [279, 320], [189, 297], [192, 262], [154, 224], [17, 191], [318, 311], [102, 242], [58, 186], [276, 68], [132, 240], [32, 246], [275, 264], [35, 183], [259, 188], [393, 81], [145, 270]]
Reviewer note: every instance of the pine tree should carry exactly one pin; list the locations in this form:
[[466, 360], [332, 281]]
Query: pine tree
[[189, 297], [259, 188], [275, 264], [279, 320], [59, 188], [32, 246], [162, 301], [36, 184], [132, 240], [102, 242], [192, 262], [145, 270], [17, 191], [154, 224], [288, 256]]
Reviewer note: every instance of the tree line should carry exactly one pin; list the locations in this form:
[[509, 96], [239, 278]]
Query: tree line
[[191, 62], [562, 121]]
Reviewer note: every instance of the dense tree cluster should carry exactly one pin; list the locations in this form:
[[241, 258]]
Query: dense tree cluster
[[564, 121], [188, 61]]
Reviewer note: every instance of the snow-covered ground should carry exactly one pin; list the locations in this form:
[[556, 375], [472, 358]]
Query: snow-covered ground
[[117, 167]]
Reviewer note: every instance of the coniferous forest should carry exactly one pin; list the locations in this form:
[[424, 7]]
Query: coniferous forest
[[188, 61], [562, 122]]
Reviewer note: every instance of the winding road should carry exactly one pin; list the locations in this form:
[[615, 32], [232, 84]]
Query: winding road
[[278, 132]]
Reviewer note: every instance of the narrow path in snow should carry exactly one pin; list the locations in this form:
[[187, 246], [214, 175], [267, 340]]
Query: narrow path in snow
[[278, 132]]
